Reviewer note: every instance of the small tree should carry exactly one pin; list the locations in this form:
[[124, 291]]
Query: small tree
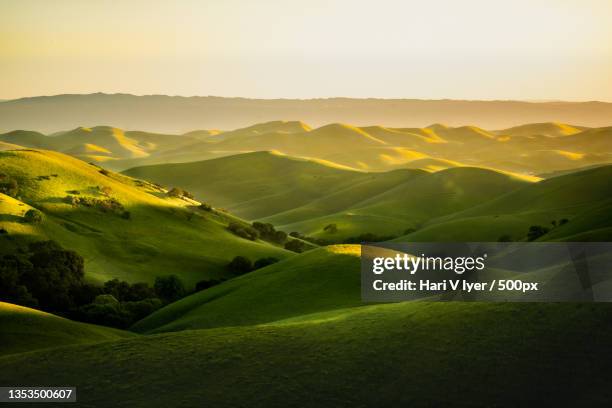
[[8, 185], [175, 192], [536, 231], [331, 228], [169, 288], [262, 262], [240, 265], [33, 217], [295, 246], [504, 238]]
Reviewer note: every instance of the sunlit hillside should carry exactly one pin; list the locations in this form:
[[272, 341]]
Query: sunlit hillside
[[124, 228]]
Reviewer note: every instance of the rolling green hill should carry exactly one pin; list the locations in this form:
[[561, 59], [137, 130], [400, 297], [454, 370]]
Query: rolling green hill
[[527, 149], [483, 354], [319, 280], [157, 236], [25, 329], [411, 204], [306, 195], [582, 197]]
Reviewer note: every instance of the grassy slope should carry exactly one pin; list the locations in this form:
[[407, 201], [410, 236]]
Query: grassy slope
[[319, 280], [583, 197], [25, 329], [413, 203], [253, 185], [311, 195], [135, 249], [412, 354]]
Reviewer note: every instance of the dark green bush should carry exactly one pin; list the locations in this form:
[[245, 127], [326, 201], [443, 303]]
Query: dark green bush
[[240, 265], [169, 288], [33, 217]]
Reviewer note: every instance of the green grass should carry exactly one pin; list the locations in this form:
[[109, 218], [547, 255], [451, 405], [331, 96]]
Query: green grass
[[410, 354], [582, 197], [319, 280], [25, 329], [162, 236], [413, 203]]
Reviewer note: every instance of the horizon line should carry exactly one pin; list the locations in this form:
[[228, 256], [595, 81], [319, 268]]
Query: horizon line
[[535, 101]]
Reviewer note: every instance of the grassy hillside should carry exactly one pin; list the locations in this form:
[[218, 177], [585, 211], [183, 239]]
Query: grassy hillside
[[253, 185], [410, 204], [25, 329], [162, 235], [320, 280], [306, 195], [368, 357], [581, 197]]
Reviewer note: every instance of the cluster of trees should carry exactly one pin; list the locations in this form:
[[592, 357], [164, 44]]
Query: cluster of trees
[[48, 277], [33, 216], [269, 233], [241, 264], [44, 275], [106, 205], [538, 231], [8, 185], [177, 192], [243, 230]]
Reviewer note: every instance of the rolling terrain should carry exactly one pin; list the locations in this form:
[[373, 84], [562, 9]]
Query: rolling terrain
[[527, 150], [126, 229], [364, 356]]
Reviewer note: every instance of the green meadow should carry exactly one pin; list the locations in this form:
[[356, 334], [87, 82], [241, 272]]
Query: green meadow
[[294, 332]]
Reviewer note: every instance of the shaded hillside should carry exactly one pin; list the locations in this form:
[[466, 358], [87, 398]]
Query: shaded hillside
[[583, 198], [393, 353], [25, 329]]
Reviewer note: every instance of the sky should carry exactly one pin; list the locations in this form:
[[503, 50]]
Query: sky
[[435, 49]]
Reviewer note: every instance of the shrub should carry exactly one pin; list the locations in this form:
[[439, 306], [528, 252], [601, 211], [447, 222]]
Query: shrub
[[536, 231], [169, 288], [33, 217], [368, 237], [504, 238], [243, 231], [105, 190], [563, 221], [331, 228], [205, 284], [240, 265], [104, 172], [8, 185], [268, 233], [179, 193], [126, 215], [262, 262], [205, 207], [295, 246]]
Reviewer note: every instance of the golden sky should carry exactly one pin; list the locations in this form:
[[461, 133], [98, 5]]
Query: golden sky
[[469, 49]]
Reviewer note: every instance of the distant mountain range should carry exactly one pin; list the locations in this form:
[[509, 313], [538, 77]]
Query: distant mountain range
[[178, 114]]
